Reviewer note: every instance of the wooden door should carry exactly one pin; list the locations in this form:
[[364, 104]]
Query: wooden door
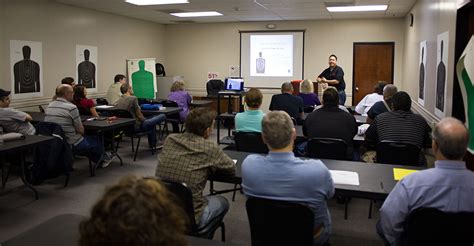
[[373, 62]]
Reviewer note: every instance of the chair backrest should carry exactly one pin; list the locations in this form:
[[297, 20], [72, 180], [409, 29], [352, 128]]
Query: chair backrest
[[275, 222], [184, 198], [169, 103], [327, 148], [101, 101], [392, 152], [160, 69], [121, 113], [308, 108], [250, 142], [213, 86], [430, 226]]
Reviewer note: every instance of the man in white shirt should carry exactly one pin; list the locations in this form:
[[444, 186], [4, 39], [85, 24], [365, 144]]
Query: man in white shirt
[[114, 93], [13, 120], [366, 103]]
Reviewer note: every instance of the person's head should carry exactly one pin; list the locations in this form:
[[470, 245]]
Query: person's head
[[120, 78], [136, 211], [401, 101], [332, 60], [177, 86], [200, 121], [80, 92], [330, 97], [4, 98], [306, 87], [68, 81], [278, 130], [126, 89], [253, 98], [388, 91], [65, 91], [287, 88], [378, 88], [86, 54], [450, 139]]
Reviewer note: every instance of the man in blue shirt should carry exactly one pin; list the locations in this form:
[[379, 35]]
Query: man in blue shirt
[[282, 176], [447, 187]]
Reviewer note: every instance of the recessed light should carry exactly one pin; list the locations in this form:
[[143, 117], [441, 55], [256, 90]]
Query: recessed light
[[358, 8], [196, 14], [155, 2]]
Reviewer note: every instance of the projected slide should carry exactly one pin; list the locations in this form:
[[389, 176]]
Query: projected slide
[[271, 55]]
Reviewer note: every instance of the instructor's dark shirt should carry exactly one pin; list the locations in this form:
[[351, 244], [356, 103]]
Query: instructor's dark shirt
[[338, 74]]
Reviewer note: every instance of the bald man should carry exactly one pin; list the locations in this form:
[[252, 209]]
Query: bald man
[[63, 112], [447, 187]]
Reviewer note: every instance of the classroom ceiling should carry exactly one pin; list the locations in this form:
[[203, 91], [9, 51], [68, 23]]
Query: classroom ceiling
[[245, 10]]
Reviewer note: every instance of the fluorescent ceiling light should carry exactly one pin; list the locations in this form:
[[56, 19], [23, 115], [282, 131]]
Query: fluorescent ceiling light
[[358, 8], [196, 14], [155, 2]]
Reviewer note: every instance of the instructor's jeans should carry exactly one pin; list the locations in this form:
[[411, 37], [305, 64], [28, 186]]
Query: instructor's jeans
[[342, 97]]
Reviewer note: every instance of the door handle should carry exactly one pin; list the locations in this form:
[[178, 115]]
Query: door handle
[[357, 88]]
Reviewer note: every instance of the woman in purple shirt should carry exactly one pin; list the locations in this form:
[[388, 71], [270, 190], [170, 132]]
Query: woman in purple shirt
[[183, 98], [307, 93]]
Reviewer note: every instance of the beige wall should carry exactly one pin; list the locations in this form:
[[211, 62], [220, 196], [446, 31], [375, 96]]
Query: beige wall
[[431, 17], [60, 27], [193, 50]]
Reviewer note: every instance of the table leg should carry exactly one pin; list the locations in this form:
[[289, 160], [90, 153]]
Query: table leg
[[114, 153], [23, 176]]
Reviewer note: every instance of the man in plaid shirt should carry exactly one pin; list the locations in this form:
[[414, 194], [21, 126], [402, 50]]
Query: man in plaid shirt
[[190, 158]]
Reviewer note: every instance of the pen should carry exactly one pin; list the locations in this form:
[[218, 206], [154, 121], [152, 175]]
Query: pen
[[381, 185]]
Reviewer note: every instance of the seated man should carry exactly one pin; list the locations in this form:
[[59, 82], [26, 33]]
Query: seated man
[[129, 103], [384, 105], [13, 120], [63, 112], [447, 187], [68, 81], [251, 119], [282, 176], [288, 102], [369, 100], [190, 157], [400, 125], [114, 93], [331, 122]]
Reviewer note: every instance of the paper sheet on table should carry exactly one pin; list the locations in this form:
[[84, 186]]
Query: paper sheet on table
[[104, 106], [344, 177], [399, 173]]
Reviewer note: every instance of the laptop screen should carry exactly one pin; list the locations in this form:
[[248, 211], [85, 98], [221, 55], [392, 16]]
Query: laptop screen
[[234, 84]]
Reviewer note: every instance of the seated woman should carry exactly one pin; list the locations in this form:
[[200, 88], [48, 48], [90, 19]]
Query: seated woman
[[307, 94], [84, 105], [183, 98], [136, 211], [251, 119]]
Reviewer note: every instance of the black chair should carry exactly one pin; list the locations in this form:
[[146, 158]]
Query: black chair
[[327, 148], [275, 222], [213, 86], [173, 118], [398, 153], [102, 101], [250, 142], [308, 108], [430, 226], [185, 199], [130, 132], [160, 69]]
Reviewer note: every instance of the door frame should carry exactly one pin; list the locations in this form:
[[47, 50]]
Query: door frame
[[353, 62]]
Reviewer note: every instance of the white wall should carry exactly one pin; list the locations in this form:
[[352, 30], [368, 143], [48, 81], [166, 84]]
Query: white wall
[[60, 27], [195, 49], [431, 17]]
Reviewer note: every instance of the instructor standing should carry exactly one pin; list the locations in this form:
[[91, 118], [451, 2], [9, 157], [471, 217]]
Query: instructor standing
[[334, 76]]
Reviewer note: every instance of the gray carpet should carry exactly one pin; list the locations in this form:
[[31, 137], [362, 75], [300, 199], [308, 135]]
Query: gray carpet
[[19, 211]]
